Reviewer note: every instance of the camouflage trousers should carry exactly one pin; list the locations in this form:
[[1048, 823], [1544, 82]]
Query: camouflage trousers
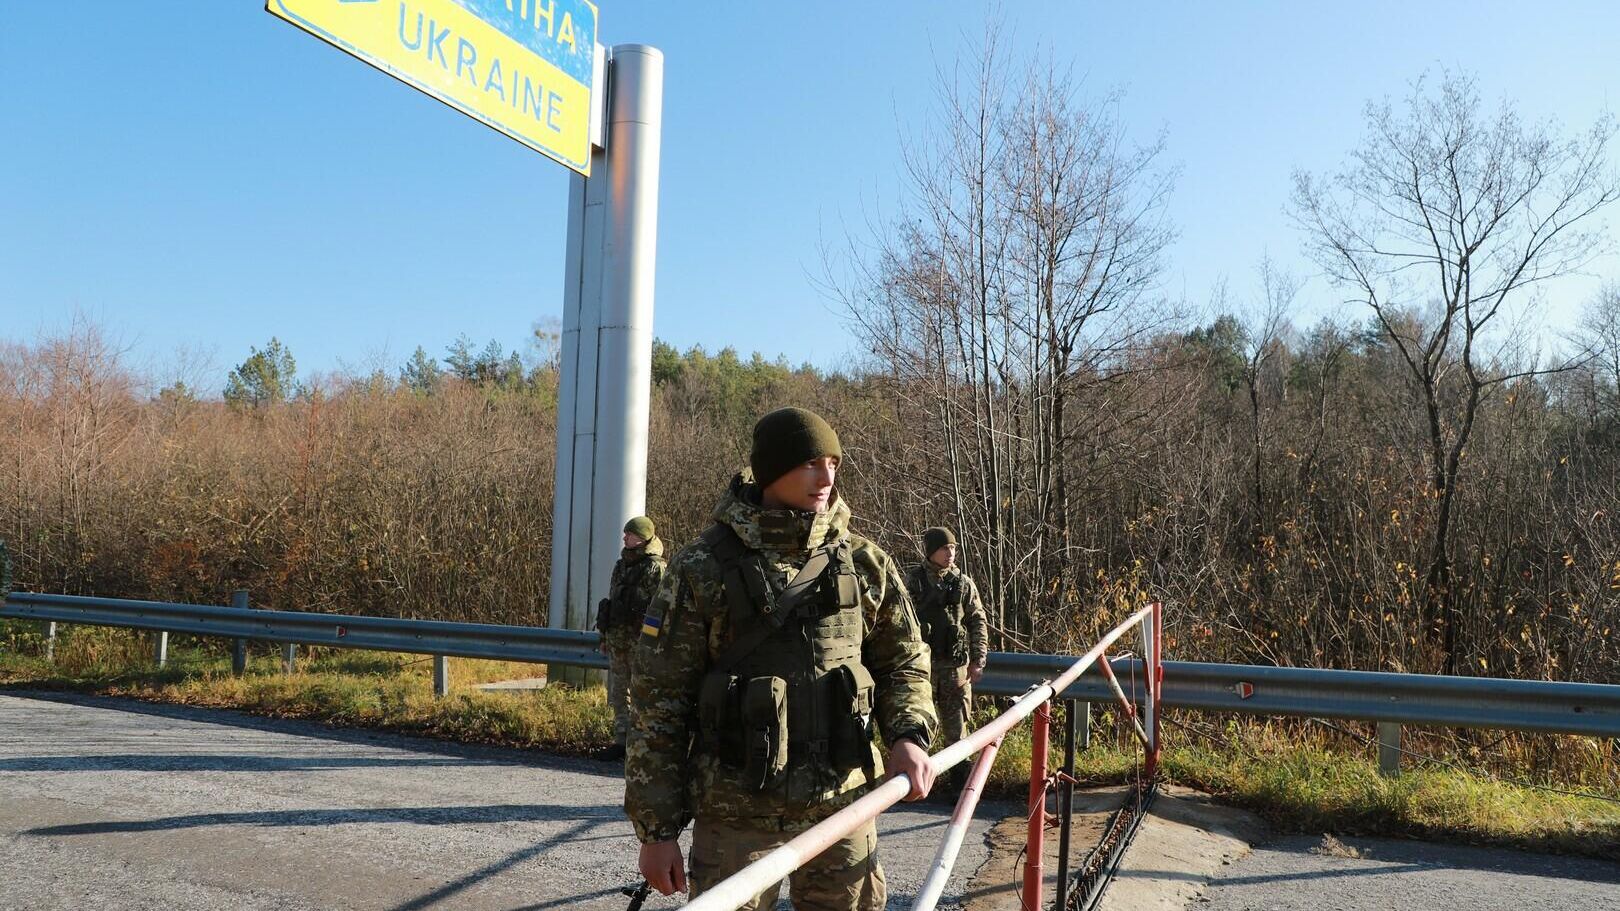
[[953, 700], [619, 650], [845, 877]]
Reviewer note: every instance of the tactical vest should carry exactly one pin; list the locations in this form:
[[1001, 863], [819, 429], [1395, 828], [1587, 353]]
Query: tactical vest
[[789, 695], [940, 614], [623, 609]]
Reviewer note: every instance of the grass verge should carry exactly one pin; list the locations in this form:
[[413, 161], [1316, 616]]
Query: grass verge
[[1298, 781]]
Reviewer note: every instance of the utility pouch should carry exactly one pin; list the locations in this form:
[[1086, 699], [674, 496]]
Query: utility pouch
[[851, 702], [765, 730], [717, 717], [604, 613]]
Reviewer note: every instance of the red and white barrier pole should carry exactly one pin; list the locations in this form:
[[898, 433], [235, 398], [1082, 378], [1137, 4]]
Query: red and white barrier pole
[[945, 858], [753, 879], [1039, 729]]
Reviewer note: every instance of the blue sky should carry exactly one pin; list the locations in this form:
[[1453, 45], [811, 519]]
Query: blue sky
[[201, 176]]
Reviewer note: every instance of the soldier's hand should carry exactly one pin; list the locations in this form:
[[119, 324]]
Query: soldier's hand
[[662, 865], [976, 673], [909, 759]]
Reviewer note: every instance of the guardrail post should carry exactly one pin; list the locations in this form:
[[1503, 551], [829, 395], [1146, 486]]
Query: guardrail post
[[239, 600], [441, 676], [50, 642], [289, 657], [1389, 749], [160, 648]]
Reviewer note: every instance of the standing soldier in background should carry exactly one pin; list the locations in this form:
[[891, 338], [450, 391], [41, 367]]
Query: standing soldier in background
[[954, 626], [618, 617], [777, 640]]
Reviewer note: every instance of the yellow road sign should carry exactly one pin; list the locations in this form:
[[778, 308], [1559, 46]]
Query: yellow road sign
[[524, 67]]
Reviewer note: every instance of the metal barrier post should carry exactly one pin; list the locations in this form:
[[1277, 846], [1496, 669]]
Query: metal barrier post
[[160, 648], [1037, 807], [1066, 803], [1389, 749], [50, 642], [1155, 674], [239, 600], [441, 676], [289, 657]]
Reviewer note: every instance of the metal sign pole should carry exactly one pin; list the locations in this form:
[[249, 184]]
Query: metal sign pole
[[605, 390]]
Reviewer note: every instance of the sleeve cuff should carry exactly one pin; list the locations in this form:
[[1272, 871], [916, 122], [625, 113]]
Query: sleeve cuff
[[915, 735], [648, 835]]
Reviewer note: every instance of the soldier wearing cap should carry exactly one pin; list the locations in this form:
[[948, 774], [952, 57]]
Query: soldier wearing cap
[[618, 617], [778, 644], [954, 626]]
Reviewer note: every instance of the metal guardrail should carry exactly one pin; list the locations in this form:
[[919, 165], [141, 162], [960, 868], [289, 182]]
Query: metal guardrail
[[540, 645], [1591, 709], [1479, 702]]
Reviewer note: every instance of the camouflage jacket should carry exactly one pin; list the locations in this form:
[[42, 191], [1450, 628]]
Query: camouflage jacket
[[667, 782], [971, 627], [638, 573]]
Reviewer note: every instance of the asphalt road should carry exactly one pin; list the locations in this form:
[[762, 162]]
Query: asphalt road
[[111, 804], [1292, 874]]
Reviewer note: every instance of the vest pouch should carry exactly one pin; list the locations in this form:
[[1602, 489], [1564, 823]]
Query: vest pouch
[[849, 590], [852, 697], [604, 613], [718, 714], [765, 731]]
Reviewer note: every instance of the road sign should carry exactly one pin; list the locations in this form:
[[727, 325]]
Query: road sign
[[524, 67]]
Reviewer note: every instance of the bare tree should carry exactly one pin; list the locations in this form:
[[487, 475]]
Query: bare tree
[[1600, 334], [1012, 297], [1264, 323], [1446, 219]]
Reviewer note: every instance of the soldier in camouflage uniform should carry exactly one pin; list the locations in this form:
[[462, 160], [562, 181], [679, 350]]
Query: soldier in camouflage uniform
[[618, 617], [954, 626], [777, 639]]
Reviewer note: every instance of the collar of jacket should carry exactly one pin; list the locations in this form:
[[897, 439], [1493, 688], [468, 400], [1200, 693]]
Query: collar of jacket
[[653, 548], [785, 532]]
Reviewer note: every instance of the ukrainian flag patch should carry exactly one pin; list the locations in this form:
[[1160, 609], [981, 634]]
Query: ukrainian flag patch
[[651, 624]]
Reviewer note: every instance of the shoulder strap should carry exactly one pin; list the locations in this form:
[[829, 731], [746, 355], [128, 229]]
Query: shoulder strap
[[755, 628]]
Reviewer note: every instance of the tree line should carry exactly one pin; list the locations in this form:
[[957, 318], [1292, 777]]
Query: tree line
[[1406, 486]]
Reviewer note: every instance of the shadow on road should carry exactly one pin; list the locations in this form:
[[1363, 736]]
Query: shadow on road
[[576, 832], [424, 816], [221, 762]]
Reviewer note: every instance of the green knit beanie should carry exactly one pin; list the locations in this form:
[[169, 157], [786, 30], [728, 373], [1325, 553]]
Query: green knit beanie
[[787, 438], [935, 538], [642, 527]]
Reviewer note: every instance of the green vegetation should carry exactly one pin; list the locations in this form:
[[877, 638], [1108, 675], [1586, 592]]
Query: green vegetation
[[1299, 777]]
